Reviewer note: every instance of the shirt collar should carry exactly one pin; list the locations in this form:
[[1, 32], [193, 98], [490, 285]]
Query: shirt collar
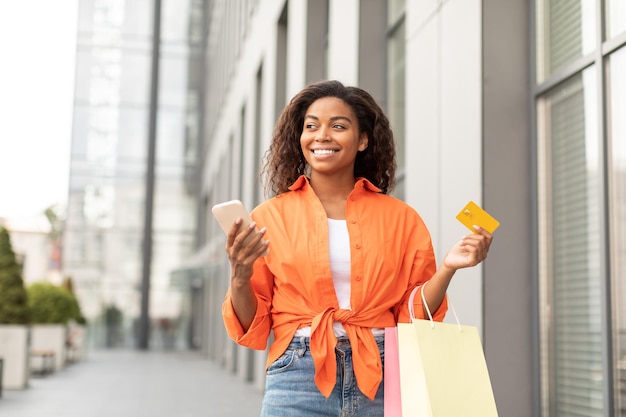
[[303, 182]]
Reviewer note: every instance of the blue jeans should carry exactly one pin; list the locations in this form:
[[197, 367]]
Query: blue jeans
[[290, 390]]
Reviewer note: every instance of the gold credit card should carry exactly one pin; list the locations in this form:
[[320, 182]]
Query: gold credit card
[[472, 215]]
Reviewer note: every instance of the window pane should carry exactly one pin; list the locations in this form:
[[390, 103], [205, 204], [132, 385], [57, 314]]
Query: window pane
[[617, 137], [565, 32], [615, 17], [396, 84], [571, 339], [395, 9]]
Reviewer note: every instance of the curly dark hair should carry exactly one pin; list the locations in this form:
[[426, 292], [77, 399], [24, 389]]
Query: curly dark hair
[[285, 162]]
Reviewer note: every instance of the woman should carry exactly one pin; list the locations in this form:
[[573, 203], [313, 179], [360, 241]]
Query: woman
[[343, 257]]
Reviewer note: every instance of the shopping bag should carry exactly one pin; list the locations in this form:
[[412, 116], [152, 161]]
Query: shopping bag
[[393, 405], [443, 371]]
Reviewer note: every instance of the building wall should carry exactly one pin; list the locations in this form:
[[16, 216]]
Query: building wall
[[444, 142], [31, 242]]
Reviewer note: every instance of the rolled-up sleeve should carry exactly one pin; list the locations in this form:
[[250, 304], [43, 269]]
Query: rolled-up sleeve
[[257, 335]]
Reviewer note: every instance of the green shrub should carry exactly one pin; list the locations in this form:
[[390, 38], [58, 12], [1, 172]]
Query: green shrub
[[13, 295], [50, 303]]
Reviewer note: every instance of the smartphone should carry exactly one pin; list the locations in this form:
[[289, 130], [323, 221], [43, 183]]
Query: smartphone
[[227, 212], [472, 214]]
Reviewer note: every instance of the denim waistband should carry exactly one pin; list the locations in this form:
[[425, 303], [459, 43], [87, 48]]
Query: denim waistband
[[342, 342]]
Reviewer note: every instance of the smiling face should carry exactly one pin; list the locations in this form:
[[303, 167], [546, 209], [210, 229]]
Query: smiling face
[[330, 138]]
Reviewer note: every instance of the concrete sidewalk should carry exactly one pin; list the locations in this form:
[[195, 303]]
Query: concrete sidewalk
[[119, 383]]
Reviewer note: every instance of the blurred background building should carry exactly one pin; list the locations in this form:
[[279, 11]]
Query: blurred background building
[[38, 252], [115, 181], [516, 105]]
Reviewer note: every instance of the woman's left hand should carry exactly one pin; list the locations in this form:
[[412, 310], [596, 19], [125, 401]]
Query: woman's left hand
[[469, 251]]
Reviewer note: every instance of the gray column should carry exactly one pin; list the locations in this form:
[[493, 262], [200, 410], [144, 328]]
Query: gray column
[[510, 319]]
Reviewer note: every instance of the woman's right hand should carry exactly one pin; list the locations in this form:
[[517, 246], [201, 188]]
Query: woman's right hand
[[244, 247]]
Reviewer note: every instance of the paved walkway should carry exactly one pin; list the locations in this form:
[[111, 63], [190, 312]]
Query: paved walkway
[[139, 384]]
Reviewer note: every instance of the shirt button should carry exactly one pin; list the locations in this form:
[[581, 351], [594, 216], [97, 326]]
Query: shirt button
[[358, 246], [358, 278], [353, 221]]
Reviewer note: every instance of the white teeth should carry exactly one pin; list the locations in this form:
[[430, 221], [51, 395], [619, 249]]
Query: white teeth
[[323, 151]]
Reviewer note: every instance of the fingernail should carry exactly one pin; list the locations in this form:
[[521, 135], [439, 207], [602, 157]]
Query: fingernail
[[263, 230], [252, 225]]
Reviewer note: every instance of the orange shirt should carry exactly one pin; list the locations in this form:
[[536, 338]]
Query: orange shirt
[[391, 253]]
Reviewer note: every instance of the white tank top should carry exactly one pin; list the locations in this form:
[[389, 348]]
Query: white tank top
[[339, 251], [339, 248]]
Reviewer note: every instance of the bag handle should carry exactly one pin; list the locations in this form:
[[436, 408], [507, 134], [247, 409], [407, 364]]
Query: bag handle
[[430, 316]]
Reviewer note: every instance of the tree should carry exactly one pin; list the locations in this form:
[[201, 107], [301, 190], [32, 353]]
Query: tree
[[13, 296], [56, 222], [77, 314]]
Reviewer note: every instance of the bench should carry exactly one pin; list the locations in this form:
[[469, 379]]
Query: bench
[[45, 359]]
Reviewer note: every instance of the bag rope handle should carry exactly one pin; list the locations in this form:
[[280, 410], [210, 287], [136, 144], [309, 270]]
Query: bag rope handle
[[430, 316]]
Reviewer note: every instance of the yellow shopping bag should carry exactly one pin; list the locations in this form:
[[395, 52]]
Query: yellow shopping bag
[[443, 372]]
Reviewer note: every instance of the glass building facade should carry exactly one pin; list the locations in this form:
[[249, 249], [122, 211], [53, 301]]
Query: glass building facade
[[104, 235], [580, 92]]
